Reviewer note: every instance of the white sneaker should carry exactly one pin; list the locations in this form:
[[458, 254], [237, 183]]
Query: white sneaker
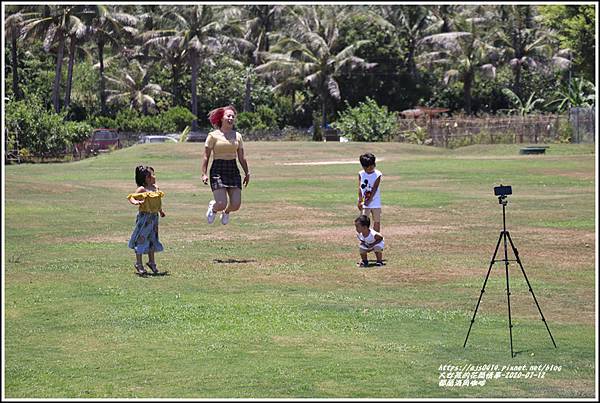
[[224, 218], [210, 214]]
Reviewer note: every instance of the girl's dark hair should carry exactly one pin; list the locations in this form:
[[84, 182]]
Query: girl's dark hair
[[366, 160], [363, 220], [141, 173]]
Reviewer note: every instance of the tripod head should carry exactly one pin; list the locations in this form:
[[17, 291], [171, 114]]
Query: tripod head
[[502, 191]]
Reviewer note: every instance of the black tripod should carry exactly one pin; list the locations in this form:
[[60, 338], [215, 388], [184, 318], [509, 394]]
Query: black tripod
[[504, 235]]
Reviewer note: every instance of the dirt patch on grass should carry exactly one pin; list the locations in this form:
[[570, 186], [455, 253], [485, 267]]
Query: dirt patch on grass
[[583, 175], [42, 187], [330, 162]]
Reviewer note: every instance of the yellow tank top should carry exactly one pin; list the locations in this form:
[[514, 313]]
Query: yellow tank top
[[222, 148], [152, 201]]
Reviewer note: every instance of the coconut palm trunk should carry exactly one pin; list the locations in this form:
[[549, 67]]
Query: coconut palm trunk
[[72, 47], [102, 80], [175, 90], [247, 94], [323, 111], [58, 74], [467, 87], [15, 63], [194, 101]]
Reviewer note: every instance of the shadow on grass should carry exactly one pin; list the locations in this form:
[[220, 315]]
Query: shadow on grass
[[159, 274], [372, 263], [234, 260]]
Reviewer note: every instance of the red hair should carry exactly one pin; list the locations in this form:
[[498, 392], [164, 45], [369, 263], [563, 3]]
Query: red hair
[[216, 115]]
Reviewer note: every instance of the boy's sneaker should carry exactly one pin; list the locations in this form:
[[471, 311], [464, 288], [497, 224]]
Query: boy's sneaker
[[224, 218], [364, 263], [379, 263], [210, 214]]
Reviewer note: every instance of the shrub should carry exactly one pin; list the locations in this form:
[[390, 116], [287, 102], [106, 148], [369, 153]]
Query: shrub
[[127, 120], [148, 124], [565, 131], [175, 119], [416, 136], [367, 122], [263, 119], [42, 132]]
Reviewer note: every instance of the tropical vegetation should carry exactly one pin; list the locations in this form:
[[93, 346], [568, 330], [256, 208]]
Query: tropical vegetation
[[305, 64]]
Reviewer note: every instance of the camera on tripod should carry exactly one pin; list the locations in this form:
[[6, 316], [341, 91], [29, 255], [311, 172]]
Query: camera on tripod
[[502, 191]]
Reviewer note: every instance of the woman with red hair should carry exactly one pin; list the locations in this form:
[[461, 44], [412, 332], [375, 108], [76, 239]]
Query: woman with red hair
[[226, 146]]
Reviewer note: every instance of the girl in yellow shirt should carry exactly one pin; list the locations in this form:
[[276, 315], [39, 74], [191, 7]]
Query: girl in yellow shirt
[[144, 239]]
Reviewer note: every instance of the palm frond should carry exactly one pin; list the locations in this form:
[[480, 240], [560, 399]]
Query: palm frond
[[333, 88], [489, 70], [450, 75], [561, 63]]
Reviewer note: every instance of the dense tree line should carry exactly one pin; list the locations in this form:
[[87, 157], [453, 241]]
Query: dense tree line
[[297, 65]]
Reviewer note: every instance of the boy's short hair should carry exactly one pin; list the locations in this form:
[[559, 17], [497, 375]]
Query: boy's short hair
[[363, 220], [141, 172], [367, 159]]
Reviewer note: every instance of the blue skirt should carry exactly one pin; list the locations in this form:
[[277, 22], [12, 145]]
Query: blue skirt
[[144, 238]]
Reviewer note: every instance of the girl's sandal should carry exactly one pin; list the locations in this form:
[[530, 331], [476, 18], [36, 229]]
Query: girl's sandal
[[152, 267], [139, 268]]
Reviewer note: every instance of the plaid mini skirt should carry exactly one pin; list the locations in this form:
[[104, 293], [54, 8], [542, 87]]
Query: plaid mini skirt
[[225, 174]]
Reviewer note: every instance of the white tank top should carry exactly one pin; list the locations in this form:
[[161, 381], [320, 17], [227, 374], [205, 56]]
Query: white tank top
[[366, 187]]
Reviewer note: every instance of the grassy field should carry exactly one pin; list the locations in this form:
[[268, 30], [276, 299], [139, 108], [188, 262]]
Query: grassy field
[[272, 305]]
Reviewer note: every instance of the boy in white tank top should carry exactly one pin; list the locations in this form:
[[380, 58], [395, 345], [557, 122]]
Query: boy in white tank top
[[369, 195]]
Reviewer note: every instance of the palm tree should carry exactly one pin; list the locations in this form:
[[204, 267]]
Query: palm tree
[[443, 17], [133, 88], [14, 22], [203, 33], [523, 43], [77, 34], [463, 54], [312, 54], [107, 26], [261, 21], [53, 24], [171, 50], [408, 22]]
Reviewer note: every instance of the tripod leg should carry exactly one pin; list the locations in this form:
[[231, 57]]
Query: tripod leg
[[516, 252], [510, 326], [483, 288]]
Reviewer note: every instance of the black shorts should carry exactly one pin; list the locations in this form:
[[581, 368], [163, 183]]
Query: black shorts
[[225, 174]]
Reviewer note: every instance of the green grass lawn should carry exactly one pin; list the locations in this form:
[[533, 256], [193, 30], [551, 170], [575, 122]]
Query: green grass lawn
[[272, 305]]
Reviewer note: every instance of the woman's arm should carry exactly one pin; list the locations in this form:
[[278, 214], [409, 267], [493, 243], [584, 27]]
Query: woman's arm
[[244, 163], [207, 152]]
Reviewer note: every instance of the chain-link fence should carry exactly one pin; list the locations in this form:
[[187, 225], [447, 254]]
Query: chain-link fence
[[577, 126], [583, 124]]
